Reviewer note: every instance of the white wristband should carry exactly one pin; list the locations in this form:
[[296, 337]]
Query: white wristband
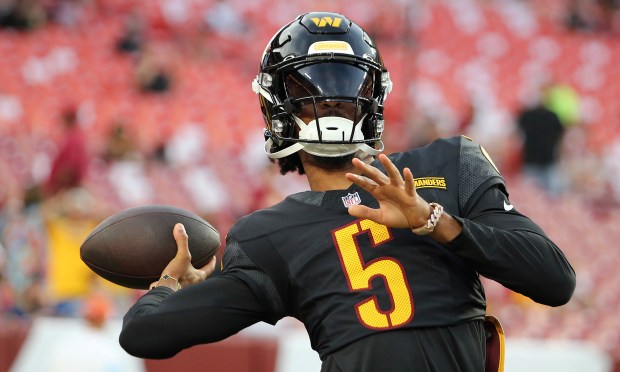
[[429, 226]]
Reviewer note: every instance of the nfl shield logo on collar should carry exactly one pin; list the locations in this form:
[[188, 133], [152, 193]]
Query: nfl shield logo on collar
[[351, 199]]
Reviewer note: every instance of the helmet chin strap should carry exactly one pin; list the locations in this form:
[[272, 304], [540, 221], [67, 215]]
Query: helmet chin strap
[[332, 129], [282, 153]]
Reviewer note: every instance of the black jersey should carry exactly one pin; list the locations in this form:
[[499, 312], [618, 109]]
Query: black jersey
[[346, 278], [358, 285]]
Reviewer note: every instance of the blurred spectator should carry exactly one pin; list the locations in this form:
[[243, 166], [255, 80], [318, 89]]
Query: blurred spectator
[[23, 15], [578, 17], [611, 15], [593, 15], [119, 145], [23, 272], [563, 100], [542, 134], [6, 6], [96, 309], [152, 72], [132, 37], [70, 165], [69, 217]]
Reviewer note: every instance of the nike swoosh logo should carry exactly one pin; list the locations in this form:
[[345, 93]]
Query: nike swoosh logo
[[508, 207]]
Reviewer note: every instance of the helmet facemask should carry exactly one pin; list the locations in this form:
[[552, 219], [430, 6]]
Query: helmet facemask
[[328, 105], [321, 87]]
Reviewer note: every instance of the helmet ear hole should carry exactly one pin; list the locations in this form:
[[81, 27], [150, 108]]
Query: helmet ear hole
[[292, 107], [287, 127]]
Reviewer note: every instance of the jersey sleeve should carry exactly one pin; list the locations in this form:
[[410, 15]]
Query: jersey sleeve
[[498, 241], [476, 173], [237, 263], [508, 247], [162, 322]]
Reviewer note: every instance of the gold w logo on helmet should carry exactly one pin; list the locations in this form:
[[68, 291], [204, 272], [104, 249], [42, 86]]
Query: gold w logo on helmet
[[325, 21]]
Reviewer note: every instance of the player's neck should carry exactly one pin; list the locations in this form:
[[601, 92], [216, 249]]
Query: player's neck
[[321, 179]]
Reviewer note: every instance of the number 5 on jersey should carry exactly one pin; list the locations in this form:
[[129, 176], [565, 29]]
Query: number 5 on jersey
[[359, 276]]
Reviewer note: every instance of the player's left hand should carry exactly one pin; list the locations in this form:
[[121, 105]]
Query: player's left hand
[[180, 267], [400, 206]]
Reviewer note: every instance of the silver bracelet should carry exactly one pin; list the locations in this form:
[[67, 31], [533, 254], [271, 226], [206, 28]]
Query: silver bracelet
[[429, 226]]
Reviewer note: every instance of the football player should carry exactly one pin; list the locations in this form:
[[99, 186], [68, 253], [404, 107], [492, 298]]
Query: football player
[[381, 259]]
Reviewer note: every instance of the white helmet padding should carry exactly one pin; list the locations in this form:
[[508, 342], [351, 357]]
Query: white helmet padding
[[332, 128]]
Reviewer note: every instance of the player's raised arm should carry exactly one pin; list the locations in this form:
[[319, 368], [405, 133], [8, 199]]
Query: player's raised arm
[[499, 242], [510, 248]]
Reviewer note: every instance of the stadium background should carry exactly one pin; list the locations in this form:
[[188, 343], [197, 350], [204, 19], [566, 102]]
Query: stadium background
[[169, 117]]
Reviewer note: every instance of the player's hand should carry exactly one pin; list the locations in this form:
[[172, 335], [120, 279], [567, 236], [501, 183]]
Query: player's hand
[[180, 268], [400, 206]]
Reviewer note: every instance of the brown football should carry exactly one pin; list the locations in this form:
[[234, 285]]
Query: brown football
[[131, 248]]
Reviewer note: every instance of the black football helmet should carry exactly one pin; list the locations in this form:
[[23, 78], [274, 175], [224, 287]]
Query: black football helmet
[[325, 69]]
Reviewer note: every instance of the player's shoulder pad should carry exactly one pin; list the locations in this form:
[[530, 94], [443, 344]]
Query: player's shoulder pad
[[474, 153], [245, 227], [477, 171], [250, 240], [259, 223], [430, 158]]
